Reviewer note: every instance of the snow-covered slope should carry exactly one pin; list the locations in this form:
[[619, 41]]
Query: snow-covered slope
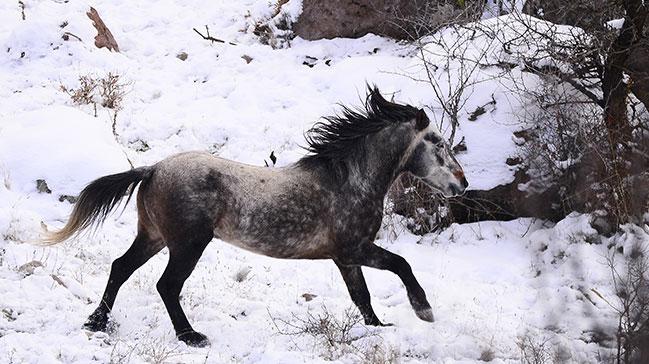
[[490, 284]]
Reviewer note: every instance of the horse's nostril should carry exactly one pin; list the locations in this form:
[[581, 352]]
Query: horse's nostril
[[455, 190]]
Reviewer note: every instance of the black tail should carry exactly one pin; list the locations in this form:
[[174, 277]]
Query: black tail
[[97, 200]]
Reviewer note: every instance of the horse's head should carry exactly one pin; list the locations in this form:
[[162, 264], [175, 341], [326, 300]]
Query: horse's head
[[432, 161]]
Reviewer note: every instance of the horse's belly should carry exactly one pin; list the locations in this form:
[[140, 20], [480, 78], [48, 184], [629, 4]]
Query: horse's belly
[[313, 246]]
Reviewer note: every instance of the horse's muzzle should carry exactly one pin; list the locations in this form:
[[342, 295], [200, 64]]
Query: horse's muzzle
[[455, 189]]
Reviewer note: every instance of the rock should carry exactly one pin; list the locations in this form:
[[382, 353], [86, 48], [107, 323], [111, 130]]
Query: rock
[[586, 14], [28, 268], [70, 199], [41, 186], [8, 313], [352, 19], [477, 112], [182, 56], [309, 296], [399, 19], [246, 58], [513, 161]]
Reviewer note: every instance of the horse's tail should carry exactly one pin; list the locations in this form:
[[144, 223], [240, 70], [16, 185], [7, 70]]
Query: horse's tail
[[97, 200]]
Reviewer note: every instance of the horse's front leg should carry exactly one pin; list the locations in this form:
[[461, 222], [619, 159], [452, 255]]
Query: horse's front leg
[[353, 277], [374, 256]]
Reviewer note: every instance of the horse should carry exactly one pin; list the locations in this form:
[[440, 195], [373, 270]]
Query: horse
[[327, 205]]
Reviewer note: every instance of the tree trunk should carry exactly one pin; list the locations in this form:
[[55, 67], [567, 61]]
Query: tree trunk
[[615, 91]]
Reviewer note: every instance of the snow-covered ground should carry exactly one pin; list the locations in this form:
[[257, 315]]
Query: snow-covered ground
[[491, 284]]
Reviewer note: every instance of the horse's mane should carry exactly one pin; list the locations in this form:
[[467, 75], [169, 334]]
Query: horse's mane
[[334, 139]]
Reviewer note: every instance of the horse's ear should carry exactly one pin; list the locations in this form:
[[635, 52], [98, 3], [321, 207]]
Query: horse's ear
[[421, 120]]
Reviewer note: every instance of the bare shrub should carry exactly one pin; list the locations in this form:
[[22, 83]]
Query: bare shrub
[[425, 208], [275, 31], [147, 349], [561, 131], [541, 349], [534, 350], [112, 91], [380, 354], [336, 337], [108, 91], [452, 82], [596, 104], [631, 283], [156, 351], [451, 61], [451, 57], [579, 155], [121, 352], [564, 151], [85, 93], [431, 16], [278, 7]]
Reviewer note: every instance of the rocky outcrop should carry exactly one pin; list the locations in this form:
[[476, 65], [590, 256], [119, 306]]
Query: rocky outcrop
[[353, 18], [399, 19], [586, 14]]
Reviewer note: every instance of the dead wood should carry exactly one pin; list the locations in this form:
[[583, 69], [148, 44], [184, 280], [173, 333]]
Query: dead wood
[[104, 37]]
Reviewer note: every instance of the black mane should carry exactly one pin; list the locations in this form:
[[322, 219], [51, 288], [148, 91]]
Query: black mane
[[334, 139]]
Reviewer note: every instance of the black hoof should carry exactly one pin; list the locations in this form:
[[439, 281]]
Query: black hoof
[[193, 338], [96, 325], [97, 321], [426, 314], [374, 321], [422, 308]]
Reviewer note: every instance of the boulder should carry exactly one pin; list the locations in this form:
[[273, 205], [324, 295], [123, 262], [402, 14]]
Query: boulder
[[355, 18]]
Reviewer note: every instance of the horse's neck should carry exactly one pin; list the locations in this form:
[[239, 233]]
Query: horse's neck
[[371, 178]]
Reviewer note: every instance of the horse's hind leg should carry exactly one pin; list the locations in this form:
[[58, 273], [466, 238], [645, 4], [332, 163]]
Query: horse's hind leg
[[353, 277], [142, 249], [182, 260]]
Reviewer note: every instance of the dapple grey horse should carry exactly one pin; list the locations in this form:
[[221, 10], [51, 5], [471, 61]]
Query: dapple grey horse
[[328, 205]]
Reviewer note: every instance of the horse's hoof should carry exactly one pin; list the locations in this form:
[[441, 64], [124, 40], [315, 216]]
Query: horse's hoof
[[96, 325], [377, 322], [194, 338], [381, 324], [426, 314]]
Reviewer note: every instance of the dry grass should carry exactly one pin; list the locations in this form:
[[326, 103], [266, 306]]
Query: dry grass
[[335, 337], [108, 91]]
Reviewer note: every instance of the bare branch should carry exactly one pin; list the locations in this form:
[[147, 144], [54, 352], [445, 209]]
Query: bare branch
[[210, 38]]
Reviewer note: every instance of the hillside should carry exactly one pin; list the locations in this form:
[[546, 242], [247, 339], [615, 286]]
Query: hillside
[[496, 287]]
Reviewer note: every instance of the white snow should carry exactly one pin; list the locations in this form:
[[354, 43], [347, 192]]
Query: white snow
[[616, 23], [489, 283]]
